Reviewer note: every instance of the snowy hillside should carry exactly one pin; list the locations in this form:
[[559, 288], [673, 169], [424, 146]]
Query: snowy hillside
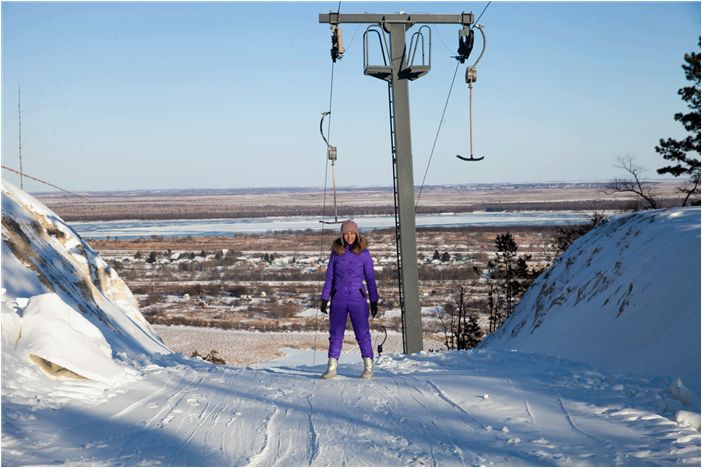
[[63, 307], [86, 382], [624, 298]]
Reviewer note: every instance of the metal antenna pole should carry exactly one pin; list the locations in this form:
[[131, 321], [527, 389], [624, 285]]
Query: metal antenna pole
[[398, 73], [19, 140]]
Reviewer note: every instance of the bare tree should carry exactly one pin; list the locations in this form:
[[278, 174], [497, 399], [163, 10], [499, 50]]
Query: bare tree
[[461, 328], [566, 235], [635, 184]]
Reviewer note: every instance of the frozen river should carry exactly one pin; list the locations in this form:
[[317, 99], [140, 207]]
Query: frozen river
[[126, 229]]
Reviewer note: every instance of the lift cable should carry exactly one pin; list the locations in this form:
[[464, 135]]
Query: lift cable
[[336, 54], [442, 40], [441, 121], [353, 38], [328, 114], [436, 137], [24, 174], [481, 14], [324, 207]]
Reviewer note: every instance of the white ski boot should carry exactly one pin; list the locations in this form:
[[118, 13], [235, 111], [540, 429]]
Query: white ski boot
[[367, 369], [331, 369]]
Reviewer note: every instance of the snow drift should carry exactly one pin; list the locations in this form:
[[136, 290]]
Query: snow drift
[[63, 308], [623, 298]]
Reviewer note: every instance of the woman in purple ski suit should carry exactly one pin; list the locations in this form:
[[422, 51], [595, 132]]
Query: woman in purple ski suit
[[349, 264]]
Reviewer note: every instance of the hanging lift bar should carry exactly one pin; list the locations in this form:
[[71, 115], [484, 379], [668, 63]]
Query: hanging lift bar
[[337, 52], [465, 46], [331, 156]]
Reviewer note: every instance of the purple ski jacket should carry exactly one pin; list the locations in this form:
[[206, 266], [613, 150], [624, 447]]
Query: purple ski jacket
[[345, 275]]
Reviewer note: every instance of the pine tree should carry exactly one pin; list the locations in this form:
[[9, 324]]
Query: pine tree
[[684, 154], [506, 260], [474, 334], [512, 275]]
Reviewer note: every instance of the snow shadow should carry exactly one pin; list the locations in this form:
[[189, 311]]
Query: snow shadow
[[82, 437]]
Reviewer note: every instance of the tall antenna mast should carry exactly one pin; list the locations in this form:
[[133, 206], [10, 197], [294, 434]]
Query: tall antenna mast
[[19, 144]]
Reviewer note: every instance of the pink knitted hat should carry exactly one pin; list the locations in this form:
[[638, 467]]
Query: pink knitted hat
[[348, 226]]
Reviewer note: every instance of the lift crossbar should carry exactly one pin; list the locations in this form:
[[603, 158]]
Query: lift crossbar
[[338, 18]]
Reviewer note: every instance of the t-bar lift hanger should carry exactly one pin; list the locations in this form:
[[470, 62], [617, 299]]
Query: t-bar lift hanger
[[465, 46], [331, 156], [337, 52]]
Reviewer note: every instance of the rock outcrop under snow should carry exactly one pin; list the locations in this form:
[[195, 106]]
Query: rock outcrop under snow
[[64, 309]]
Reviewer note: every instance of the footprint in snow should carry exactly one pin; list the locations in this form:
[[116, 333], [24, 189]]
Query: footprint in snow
[[196, 400], [543, 442], [166, 420]]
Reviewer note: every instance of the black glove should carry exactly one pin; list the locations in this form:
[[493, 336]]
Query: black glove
[[323, 306], [374, 309]]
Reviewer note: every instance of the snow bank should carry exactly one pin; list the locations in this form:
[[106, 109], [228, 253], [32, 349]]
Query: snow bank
[[42, 254], [63, 342], [65, 311], [623, 298]]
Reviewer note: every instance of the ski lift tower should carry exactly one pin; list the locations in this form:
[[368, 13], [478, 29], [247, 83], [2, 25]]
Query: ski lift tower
[[397, 73]]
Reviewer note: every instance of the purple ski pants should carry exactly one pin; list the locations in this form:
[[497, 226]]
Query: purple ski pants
[[358, 311]]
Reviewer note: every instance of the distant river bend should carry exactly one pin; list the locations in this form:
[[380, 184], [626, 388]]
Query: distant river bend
[[129, 229]]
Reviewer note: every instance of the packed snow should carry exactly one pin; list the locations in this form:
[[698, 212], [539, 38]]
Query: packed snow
[[86, 381]]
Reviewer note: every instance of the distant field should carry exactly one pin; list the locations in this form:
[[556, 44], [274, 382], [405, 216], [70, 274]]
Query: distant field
[[252, 203], [272, 282]]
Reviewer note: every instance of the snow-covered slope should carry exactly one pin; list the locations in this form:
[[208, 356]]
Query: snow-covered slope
[[624, 298], [63, 308], [85, 382]]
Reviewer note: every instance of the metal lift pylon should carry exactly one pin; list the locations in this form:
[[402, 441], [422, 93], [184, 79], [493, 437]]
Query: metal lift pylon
[[398, 72]]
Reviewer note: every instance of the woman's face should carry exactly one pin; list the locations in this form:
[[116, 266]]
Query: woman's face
[[349, 237]]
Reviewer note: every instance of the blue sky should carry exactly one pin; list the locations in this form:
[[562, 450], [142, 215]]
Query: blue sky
[[119, 96]]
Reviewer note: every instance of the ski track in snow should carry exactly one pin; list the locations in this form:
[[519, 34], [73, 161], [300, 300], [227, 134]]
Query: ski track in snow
[[314, 444], [574, 426], [414, 412]]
